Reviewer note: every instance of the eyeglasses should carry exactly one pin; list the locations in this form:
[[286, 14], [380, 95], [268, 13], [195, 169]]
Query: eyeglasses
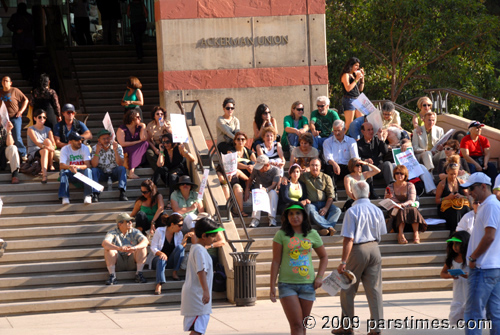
[[241, 139], [448, 148], [229, 108], [400, 173], [127, 222], [300, 109], [138, 117], [41, 117], [320, 106], [476, 203], [387, 114], [426, 105], [145, 192]]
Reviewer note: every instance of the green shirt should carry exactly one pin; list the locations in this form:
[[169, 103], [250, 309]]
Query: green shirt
[[296, 258], [318, 188], [324, 123], [290, 122], [183, 203]]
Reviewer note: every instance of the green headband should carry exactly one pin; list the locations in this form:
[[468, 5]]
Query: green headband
[[454, 239], [215, 230], [295, 207]]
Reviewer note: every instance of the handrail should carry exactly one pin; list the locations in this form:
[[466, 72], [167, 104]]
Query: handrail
[[248, 240], [458, 93], [398, 107]]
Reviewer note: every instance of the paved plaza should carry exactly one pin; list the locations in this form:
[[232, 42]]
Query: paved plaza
[[264, 318]]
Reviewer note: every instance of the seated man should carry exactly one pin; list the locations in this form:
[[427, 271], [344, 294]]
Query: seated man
[[266, 177], [475, 148], [8, 152], [67, 125], [125, 249], [75, 157], [321, 193], [107, 161], [424, 143], [322, 121]]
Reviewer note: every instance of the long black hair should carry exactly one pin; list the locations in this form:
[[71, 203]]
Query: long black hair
[[451, 254], [261, 109], [287, 227], [348, 66]]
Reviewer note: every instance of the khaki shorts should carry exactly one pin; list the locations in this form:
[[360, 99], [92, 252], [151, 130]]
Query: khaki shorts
[[125, 263]]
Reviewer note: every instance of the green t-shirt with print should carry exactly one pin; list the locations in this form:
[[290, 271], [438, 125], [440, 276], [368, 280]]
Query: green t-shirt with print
[[324, 123], [296, 260]]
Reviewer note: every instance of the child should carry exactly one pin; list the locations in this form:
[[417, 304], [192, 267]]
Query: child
[[455, 259], [196, 299]]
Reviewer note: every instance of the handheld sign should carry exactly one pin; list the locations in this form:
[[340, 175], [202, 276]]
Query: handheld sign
[[4, 115], [88, 181], [203, 184], [336, 282], [108, 125], [364, 105], [260, 201], [230, 162], [407, 158], [179, 129]]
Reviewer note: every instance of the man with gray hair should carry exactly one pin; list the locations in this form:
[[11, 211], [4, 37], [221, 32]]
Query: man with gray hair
[[322, 121], [362, 229]]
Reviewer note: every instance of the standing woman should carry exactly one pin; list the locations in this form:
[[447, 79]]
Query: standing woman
[[292, 260], [227, 126], [133, 99], [353, 83], [156, 129], [41, 143], [295, 125], [43, 97], [132, 137], [148, 208], [262, 119]]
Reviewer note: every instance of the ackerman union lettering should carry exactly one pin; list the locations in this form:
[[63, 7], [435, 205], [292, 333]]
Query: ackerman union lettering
[[216, 42]]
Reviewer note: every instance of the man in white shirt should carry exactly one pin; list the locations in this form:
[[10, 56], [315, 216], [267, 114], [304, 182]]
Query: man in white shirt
[[483, 257], [75, 157], [363, 226]]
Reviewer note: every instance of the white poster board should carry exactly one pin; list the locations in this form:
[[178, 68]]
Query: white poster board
[[364, 105], [230, 162], [443, 139], [4, 115], [376, 121], [407, 158], [179, 128], [88, 181], [203, 184], [108, 125], [260, 201]]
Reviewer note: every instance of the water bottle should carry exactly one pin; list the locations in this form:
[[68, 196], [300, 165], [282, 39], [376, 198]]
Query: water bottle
[[110, 184], [161, 122]]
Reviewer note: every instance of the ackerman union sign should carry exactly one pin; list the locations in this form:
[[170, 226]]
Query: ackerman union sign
[[216, 42]]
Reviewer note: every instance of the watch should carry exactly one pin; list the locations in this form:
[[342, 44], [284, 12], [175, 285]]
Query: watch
[[472, 260]]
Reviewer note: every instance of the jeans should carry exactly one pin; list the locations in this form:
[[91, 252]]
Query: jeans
[[318, 142], [312, 210], [484, 294], [118, 174], [17, 122], [174, 262], [490, 172], [293, 140], [67, 177]]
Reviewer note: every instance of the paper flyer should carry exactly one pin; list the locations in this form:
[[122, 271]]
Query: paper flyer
[[376, 120], [389, 204], [407, 158], [89, 181], [364, 105], [260, 201], [443, 139], [108, 125], [230, 162], [179, 129], [203, 184], [4, 115]]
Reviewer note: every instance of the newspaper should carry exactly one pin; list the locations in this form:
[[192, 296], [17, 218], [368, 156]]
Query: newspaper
[[203, 184], [389, 204], [443, 139], [336, 282], [230, 162], [407, 158], [364, 105]]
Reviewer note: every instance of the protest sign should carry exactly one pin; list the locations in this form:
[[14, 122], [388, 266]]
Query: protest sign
[[203, 184], [88, 181], [260, 201], [179, 128], [364, 105], [230, 162], [108, 125], [407, 158]]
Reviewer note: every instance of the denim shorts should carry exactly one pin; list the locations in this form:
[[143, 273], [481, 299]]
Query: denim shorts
[[347, 104], [303, 291]]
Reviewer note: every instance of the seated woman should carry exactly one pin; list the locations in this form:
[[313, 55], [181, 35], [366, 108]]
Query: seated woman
[[171, 162], [167, 246], [246, 161], [155, 129], [184, 201], [403, 193], [262, 119], [295, 125], [272, 149], [355, 166], [451, 198], [41, 143], [131, 135], [424, 105], [148, 207], [294, 190], [452, 148], [227, 126], [303, 154]]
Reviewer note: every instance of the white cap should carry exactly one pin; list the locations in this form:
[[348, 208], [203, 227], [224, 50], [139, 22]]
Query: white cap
[[477, 178], [261, 161]]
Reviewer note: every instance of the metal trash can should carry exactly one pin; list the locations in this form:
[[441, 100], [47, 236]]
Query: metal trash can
[[245, 278]]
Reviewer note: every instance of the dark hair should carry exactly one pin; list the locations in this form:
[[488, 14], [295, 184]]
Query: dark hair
[[44, 82], [134, 82], [158, 108], [352, 163], [228, 101], [204, 225], [38, 112], [240, 133], [287, 227], [261, 109], [167, 135], [167, 221], [454, 145], [148, 183], [348, 66], [451, 254], [307, 137], [130, 116]]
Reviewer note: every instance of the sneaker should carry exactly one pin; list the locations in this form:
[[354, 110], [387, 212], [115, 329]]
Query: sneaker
[[139, 278], [65, 201], [254, 223], [122, 197], [272, 222], [95, 197], [112, 280], [87, 199]]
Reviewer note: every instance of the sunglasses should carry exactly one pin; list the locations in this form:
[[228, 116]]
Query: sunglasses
[[426, 105], [127, 222], [267, 112], [185, 185], [41, 117], [241, 139], [229, 108], [300, 109], [400, 173], [180, 225], [358, 165], [145, 192], [166, 142], [159, 114], [70, 112], [448, 148], [320, 106], [138, 117]]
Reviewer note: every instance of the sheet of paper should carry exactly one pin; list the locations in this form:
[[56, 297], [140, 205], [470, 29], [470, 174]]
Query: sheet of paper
[[336, 282], [376, 120], [203, 184], [1, 205], [108, 125], [364, 105], [88, 181], [4, 115], [389, 204], [230, 162], [260, 201], [443, 139], [179, 128], [433, 221], [407, 158]]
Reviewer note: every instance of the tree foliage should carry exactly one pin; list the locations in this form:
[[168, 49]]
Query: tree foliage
[[407, 46]]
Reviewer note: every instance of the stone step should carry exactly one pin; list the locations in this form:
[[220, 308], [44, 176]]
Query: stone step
[[80, 265], [47, 243], [53, 221], [116, 206], [76, 196], [41, 231], [33, 185], [51, 255]]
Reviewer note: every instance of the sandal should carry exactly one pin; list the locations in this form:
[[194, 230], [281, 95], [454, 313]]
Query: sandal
[[44, 179], [332, 231], [158, 289], [402, 240]]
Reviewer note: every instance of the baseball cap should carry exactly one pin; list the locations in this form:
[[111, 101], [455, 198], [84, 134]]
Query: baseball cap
[[454, 239], [68, 107], [103, 132], [475, 124], [123, 217], [261, 161], [74, 136], [477, 178], [216, 230]]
